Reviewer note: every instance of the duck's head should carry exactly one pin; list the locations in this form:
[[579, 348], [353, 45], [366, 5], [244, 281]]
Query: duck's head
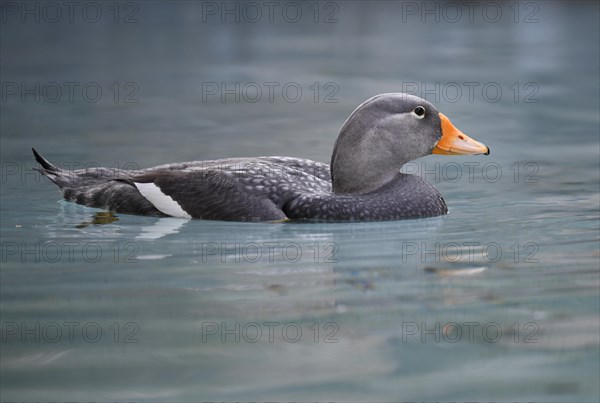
[[387, 131]]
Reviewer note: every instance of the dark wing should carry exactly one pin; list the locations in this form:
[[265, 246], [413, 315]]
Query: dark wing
[[204, 194]]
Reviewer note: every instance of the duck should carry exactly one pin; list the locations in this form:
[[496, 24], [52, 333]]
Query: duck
[[363, 182]]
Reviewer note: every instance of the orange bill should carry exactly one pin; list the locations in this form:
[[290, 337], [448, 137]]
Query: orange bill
[[455, 142]]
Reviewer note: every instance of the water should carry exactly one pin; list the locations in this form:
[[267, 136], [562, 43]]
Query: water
[[498, 300]]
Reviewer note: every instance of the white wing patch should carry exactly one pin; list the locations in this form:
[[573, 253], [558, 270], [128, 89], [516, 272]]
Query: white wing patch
[[164, 203]]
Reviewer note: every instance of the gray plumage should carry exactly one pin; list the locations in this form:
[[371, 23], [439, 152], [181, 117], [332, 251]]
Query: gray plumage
[[363, 182]]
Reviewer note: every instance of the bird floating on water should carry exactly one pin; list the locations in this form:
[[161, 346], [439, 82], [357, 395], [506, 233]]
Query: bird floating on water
[[362, 183]]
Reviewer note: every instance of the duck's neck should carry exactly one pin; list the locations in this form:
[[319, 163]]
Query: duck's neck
[[359, 180], [362, 167]]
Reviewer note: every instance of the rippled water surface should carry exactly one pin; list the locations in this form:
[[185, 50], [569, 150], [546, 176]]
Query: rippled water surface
[[497, 300]]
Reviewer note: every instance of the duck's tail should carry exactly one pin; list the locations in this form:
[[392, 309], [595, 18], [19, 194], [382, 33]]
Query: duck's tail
[[106, 188], [46, 165], [48, 169], [75, 179]]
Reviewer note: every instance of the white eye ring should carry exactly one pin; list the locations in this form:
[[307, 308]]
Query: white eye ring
[[419, 112]]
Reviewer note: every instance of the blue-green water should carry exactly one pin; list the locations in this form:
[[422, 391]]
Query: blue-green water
[[499, 300]]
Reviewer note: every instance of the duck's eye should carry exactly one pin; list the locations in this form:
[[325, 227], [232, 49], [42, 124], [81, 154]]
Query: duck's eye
[[419, 112]]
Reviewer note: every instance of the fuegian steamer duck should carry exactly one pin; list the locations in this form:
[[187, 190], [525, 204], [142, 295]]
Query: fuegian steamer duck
[[362, 183]]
